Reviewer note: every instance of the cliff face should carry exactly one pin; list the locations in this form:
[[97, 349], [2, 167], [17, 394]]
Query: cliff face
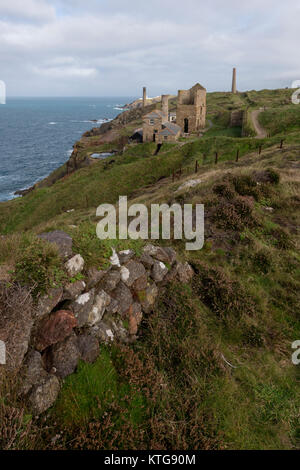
[[125, 118]]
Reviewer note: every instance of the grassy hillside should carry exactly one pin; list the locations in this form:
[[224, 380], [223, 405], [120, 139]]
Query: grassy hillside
[[281, 121], [212, 367], [123, 175]]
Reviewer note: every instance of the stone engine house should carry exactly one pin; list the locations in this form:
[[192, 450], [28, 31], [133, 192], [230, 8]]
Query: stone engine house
[[191, 109], [159, 126]]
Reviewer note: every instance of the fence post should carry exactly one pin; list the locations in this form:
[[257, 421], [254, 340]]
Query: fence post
[[237, 155], [259, 150], [281, 143], [217, 158], [204, 158], [196, 167]]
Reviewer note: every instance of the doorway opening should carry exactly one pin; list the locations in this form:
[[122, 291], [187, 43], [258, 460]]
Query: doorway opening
[[186, 126]]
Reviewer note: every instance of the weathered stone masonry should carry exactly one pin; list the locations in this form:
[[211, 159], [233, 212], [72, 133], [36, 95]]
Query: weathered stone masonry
[[191, 109], [69, 323]]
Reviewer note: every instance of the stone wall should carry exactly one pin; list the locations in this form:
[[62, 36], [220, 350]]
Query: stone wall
[[237, 118], [150, 129], [170, 138], [46, 340]]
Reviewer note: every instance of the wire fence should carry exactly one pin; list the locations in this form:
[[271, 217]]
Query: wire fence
[[215, 158]]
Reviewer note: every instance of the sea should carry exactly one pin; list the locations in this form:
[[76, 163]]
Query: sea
[[37, 135]]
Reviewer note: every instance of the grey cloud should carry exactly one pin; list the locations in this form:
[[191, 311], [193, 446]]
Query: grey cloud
[[114, 47], [29, 10]]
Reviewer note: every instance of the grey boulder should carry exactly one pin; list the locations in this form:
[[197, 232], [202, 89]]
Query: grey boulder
[[61, 239]]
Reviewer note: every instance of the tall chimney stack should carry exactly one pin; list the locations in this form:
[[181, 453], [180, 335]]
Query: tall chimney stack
[[165, 107], [234, 81], [144, 96]]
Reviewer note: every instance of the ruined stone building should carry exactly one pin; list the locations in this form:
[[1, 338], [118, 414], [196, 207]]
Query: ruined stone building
[[191, 109], [160, 126], [172, 116], [156, 125], [157, 129], [152, 125], [170, 132]]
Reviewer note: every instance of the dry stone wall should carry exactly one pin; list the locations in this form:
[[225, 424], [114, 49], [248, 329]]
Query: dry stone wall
[[69, 323]]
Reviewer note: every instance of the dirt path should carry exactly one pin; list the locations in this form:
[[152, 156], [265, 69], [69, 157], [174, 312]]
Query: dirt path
[[260, 131]]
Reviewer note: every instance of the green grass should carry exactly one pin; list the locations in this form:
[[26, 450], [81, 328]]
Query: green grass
[[226, 132], [90, 392], [97, 252], [281, 120], [255, 407], [34, 262], [136, 169]]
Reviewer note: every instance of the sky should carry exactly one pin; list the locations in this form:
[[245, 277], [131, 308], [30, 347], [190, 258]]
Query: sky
[[115, 47]]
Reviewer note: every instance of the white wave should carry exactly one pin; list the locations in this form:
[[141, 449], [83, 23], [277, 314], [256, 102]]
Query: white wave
[[102, 121], [52, 123], [93, 121], [84, 122]]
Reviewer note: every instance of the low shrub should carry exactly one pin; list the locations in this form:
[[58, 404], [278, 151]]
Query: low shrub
[[226, 216], [262, 261], [17, 429], [244, 207], [273, 176], [235, 214], [224, 190], [245, 185], [224, 296], [38, 265], [282, 239], [267, 176], [253, 336]]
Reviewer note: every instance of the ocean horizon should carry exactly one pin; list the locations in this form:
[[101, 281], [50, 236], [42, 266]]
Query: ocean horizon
[[37, 134]]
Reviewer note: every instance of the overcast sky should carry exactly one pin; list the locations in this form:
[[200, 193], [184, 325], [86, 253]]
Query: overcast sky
[[114, 47]]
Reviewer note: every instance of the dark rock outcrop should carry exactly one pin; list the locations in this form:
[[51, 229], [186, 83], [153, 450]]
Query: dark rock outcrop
[[88, 347], [44, 394], [58, 326], [82, 307], [73, 290], [123, 296], [61, 239], [62, 358], [49, 301], [16, 323]]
